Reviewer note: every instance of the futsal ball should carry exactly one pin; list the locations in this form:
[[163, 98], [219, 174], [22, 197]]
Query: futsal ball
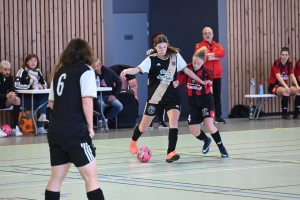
[[144, 154], [6, 129]]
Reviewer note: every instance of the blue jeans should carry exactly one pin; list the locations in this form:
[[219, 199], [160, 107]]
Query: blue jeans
[[38, 99], [116, 106]]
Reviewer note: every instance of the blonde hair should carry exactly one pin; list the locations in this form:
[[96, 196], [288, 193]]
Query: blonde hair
[[201, 53], [4, 63]]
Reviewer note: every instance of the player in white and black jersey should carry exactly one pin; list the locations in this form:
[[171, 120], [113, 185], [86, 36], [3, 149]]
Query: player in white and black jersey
[[162, 64], [70, 132]]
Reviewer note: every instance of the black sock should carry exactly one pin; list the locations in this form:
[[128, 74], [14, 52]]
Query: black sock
[[95, 195], [217, 138], [284, 104], [173, 136], [49, 195], [297, 105], [202, 136], [136, 133], [161, 116], [16, 112]]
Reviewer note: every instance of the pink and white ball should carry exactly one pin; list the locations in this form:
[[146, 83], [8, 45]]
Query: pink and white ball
[[144, 154], [6, 129]]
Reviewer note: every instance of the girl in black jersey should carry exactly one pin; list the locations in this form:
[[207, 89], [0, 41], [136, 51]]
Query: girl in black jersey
[[201, 102], [70, 132], [162, 64]]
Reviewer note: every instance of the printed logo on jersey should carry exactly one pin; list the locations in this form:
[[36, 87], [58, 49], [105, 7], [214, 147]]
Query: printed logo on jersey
[[205, 112], [158, 64], [173, 63], [165, 76], [284, 76], [194, 86], [151, 109]]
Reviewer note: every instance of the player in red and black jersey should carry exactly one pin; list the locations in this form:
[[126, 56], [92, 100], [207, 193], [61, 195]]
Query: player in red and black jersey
[[201, 102], [297, 76], [282, 70]]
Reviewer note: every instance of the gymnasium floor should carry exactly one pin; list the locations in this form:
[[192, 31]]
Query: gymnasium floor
[[263, 164]]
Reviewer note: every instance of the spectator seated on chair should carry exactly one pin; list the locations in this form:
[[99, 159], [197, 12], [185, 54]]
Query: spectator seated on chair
[[108, 78], [8, 97], [129, 84], [30, 77]]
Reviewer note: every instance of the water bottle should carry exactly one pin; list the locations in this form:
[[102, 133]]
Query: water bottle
[[252, 86], [36, 85], [261, 89], [97, 81], [251, 110]]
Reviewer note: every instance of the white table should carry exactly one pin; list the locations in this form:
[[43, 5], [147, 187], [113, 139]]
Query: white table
[[262, 99], [33, 112], [102, 89]]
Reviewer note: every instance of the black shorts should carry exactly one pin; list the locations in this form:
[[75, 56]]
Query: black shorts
[[78, 152], [271, 87], [205, 109], [154, 109], [2, 104]]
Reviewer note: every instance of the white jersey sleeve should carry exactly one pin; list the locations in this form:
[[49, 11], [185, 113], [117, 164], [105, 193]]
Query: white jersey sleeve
[[181, 64], [145, 65], [51, 93], [88, 84]]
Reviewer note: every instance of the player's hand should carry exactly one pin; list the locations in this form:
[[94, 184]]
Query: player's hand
[[91, 131], [175, 83], [123, 74], [40, 86], [207, 82]]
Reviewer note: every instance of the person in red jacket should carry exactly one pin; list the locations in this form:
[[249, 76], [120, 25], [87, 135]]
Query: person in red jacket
[[214, 53], [297, 76], [282, 70], [201, 102]]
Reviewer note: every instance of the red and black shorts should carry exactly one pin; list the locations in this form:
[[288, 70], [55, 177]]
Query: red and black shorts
[[204, 108], [273, 88], [154, 109]]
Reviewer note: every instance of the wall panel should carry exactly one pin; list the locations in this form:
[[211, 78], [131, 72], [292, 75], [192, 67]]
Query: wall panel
[[44, 27], [256, 32]]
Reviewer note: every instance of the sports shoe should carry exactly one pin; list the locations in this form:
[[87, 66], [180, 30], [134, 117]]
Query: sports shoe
[[206, 145], [43, 118], [16, 132], [223, 152], [2, 134], [151, 126], [133, 147], [220, 120], [42, 130], [296, 117], [286, 116], [102, 125], [173, 156], [162, 125]]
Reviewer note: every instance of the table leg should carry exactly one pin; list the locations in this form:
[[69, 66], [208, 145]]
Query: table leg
[[101, 111], [33, 116]]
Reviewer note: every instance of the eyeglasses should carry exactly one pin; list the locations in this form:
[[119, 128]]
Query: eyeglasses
[[207, 33]]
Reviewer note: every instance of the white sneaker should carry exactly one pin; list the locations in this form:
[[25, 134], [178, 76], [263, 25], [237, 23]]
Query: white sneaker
[[43, 118], [2, 134], [16, 132], [42, 130]]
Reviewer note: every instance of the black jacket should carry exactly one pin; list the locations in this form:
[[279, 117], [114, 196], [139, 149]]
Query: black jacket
[[24, 82], [110, 78], [6, 86]]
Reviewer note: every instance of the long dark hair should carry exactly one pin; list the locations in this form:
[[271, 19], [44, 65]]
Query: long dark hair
[[77, 51], [163, 39]]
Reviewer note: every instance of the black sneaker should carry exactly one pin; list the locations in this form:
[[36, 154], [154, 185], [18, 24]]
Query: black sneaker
[[296, 117], [162, 125], [151, 126], [286, 116], [220, 120], [223, 152], [206, 145]]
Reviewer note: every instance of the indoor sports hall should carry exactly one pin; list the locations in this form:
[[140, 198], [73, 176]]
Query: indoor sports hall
[[263, 163]]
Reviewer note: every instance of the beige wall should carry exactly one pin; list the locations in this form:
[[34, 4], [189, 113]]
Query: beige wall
[[256, 32], [44, 27]]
